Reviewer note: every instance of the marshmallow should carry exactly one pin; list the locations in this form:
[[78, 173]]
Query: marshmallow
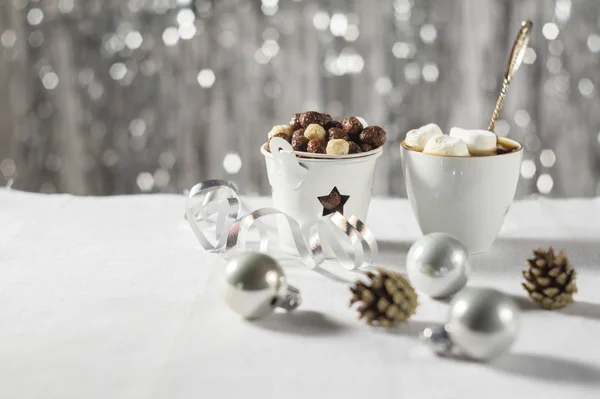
[[287, 130], [479, 142], [417, 138], [446, 145]]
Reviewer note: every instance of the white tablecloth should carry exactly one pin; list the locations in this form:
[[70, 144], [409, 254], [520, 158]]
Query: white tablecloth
[[113, 298]]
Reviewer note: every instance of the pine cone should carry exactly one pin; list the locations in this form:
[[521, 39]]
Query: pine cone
[[550, 279], [388, 299]]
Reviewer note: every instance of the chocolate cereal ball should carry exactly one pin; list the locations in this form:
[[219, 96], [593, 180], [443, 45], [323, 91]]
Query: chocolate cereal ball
[[295, 122], [316, 146], [334, 124], [299, 132], [299, 143], [311, 117], [373, 135], [327, 119], [366, 147], [352, 127], [353, 148], [337, 133], [332, 201]]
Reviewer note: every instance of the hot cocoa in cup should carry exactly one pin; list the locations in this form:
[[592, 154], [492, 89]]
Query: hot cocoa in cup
[[461, 184], [430, 139]]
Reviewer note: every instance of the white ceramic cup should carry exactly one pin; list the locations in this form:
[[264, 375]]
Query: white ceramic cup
[[466, 197], [296, 191]]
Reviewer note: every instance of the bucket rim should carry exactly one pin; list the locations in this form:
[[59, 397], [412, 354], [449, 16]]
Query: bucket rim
[[318, 158]]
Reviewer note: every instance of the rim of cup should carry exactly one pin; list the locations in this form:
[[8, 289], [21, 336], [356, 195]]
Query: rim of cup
[[514, 142], [311, 157]]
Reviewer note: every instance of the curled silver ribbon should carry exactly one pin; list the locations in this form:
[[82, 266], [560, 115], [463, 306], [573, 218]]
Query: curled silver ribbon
[[215, 204]]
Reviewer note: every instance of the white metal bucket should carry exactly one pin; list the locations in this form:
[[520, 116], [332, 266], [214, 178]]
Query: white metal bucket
[[297, 184]]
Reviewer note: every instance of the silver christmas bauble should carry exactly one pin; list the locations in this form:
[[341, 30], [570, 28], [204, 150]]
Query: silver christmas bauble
[[438, 265], [482, 324], [255, 285]]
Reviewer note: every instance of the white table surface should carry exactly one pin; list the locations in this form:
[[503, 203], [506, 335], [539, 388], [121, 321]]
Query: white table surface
[[113, 298]]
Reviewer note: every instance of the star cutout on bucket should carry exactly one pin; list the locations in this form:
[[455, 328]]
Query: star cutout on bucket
[[333, 202]]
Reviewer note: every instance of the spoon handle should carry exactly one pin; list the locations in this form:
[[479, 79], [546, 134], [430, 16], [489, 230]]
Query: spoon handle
[[514, 62]]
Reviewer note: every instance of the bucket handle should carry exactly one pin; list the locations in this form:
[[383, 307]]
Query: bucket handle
[[293, 173]]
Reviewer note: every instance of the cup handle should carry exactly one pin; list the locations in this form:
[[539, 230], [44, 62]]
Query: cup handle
[[291, 170]]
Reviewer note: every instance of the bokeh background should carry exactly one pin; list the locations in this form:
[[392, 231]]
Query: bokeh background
[[103, 97]]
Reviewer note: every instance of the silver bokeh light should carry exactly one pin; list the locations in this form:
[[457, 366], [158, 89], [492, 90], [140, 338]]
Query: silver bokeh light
[[255, 285]]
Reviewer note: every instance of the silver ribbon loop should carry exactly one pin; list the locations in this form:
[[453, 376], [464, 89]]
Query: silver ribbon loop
[[212, 203], [215, 204]]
